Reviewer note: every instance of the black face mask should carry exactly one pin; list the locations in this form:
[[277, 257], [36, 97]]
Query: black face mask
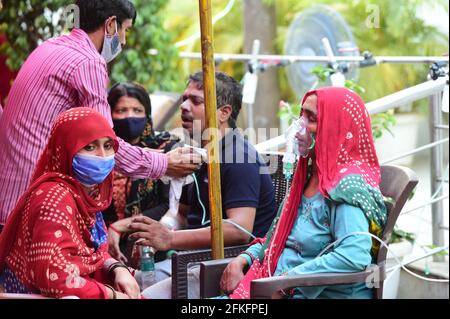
[[130, 128]]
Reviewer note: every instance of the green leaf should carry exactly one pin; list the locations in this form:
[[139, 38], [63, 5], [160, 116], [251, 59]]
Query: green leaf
[[442, 253]]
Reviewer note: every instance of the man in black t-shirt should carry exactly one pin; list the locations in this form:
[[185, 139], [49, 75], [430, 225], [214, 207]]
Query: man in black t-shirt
[[248, 202], [245, 183]]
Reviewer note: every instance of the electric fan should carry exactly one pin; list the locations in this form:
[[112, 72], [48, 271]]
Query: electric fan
[[305, 39]]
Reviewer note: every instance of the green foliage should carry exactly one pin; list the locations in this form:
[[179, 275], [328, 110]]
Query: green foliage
[[398, 235], [401, 32], [323, 73], [289, 112], [182, 19], [352, 85], [156, 72], [381, 122], [28, 23], [442, 253]]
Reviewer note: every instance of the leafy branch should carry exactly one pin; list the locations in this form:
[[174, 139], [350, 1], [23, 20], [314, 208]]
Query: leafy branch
[[28, 23], [399, 235]]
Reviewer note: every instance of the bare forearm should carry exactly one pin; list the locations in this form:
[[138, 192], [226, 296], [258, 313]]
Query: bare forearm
[[122, 224], [201, 238]]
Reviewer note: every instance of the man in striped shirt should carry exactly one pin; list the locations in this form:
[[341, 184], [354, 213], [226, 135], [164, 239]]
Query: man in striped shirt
[[66, 72]]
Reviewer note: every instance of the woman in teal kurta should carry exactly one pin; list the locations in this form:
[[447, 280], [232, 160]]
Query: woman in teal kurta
[[319, 224], [333, 198]]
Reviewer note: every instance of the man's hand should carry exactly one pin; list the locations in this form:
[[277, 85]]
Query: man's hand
[[151, 233], [124, 282], [182, 161], [233, 274]]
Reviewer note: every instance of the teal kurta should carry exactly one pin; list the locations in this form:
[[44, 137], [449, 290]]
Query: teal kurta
[[318, 224]]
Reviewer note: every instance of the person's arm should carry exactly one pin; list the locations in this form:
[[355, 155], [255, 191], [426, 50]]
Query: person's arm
[[352, 254], [55, 272], [140, 163], [236, 268], [90, 81], [119, 228], [157, 235], [201, 238], [240, 196]]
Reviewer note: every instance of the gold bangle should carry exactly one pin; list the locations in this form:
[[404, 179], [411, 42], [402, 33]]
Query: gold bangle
[[117, 265], [113, 291]]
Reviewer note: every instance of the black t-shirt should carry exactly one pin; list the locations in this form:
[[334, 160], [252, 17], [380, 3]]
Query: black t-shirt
[[245, 182]]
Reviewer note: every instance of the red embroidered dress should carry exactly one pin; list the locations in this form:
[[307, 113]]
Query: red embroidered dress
[[47, 242]]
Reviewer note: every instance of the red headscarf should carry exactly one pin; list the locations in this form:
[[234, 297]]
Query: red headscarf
[[344, 146], [50, 225]]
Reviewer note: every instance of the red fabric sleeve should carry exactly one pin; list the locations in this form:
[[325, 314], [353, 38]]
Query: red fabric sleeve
[[58, 275], [60, 261]]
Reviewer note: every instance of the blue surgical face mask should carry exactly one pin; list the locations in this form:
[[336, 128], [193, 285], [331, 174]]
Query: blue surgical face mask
[[90, 170], [129, 128], [111, 46]]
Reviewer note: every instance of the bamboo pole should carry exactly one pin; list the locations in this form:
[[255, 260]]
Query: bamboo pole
[[209, 87]]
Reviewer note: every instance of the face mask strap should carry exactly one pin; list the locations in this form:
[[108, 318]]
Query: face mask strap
[[95, 157], [115, 32], [313, 142]]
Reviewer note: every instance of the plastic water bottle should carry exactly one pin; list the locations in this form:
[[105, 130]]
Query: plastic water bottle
[[147, 267]]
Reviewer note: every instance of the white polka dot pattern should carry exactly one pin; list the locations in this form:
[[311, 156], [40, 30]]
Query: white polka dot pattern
[[57, 241]]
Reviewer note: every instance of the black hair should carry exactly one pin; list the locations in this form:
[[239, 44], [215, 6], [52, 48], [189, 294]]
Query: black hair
[[94, 13], [132, 90], [228, 92]]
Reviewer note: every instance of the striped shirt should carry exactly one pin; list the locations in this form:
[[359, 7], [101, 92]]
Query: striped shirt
[[62, 73]]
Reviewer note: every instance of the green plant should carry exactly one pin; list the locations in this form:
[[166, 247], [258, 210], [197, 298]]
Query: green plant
[[155, 72], [399, 235], [402, 31], [381, 122], [431, 247], [28, 23], [288, 111]]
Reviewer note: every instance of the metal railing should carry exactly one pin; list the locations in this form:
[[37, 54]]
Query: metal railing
[[432, 90]]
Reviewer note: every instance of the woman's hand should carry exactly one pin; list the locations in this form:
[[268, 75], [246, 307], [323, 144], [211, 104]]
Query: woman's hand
[[233, 274], [118, 294], [113, 246], [125, 283]]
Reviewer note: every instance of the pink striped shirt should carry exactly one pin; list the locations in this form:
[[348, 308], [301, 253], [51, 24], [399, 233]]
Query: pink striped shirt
[[62, 73]]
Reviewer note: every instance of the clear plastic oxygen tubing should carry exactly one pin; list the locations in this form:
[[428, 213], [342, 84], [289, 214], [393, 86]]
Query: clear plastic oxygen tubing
[[399, 263], [206, 222]]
